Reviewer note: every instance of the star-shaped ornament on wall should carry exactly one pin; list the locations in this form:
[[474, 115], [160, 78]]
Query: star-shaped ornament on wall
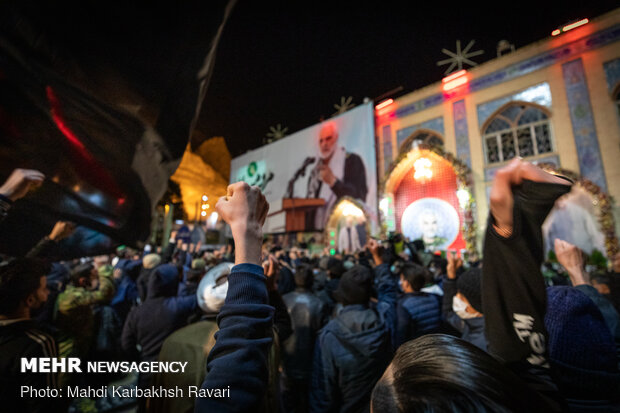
[[277, 132], [344, 105], [459, 57]]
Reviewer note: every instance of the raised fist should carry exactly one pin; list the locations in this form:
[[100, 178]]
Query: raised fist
[[245, 209], [20, 182]]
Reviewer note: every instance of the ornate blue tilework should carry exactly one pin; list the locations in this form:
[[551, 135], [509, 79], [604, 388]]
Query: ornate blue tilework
[[461, 132], [582, 119], [612, 74], [387, 147]]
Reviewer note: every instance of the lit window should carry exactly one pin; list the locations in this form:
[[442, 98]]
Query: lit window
[[518, 130]]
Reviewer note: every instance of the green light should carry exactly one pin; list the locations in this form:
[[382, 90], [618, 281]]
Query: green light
[[332, 251], [332, 242], [332, 234]]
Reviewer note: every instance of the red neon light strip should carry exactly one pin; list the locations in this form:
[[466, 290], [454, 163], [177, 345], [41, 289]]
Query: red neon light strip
[[455, 83], [573, 25], [454, 76], [384, 104], [58, 120], [569, 27], [98, 176]]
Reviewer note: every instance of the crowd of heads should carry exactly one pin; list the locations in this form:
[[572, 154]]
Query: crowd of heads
[[409, 322]]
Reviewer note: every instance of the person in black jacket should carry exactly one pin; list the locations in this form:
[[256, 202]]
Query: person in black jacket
[[581, 326], [572, 259], [308, 314], [582, 351], [149, 263], [417, 312], [514, 297], [335, 269], [353, 349], [22, 290], [162, 313]]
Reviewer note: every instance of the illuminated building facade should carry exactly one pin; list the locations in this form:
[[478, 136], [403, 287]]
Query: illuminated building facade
[[554, 102]]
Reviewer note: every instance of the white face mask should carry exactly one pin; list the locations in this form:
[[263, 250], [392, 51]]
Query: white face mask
[[459, 307]]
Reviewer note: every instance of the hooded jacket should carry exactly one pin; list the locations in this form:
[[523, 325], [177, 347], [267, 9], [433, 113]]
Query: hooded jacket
[[143, 281], [352, 352], [161, 313], [308, 314], [126, 288]]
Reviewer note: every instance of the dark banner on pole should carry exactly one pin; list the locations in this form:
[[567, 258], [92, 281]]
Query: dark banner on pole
[[102, 97]]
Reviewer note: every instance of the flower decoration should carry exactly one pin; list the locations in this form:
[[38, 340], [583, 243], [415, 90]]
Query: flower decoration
[[464, 188]]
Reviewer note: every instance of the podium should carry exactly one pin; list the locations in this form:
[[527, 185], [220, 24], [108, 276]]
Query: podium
[[300, 213]]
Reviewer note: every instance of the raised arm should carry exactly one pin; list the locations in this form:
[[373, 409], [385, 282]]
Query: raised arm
[[17, 185], [61, 230], [103, 294], [239, 358], [449, 291], [572, 259], [514, 294], [386, 289]]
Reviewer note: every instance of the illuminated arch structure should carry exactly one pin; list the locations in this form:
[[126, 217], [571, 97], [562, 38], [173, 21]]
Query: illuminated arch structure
[[425, 171], [421, 136], [345, 207]]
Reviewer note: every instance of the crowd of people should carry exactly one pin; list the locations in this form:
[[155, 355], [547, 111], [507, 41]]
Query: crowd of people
[[394, 327]]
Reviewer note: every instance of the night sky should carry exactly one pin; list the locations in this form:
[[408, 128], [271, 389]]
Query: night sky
[[290, 62]]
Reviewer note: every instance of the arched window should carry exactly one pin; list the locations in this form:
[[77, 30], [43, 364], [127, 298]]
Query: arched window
[[519, 129], [427, 137]]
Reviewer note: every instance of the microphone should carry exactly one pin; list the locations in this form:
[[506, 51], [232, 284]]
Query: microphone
[[300, 172], [307, 161]]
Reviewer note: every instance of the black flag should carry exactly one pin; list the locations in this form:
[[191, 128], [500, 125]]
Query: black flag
[[102, 97]]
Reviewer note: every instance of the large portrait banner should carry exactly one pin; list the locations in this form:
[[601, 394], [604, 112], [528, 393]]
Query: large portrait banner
[[327, 161]]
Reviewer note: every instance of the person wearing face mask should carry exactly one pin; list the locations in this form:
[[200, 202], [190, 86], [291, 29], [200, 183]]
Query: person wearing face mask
[[462, 302]]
